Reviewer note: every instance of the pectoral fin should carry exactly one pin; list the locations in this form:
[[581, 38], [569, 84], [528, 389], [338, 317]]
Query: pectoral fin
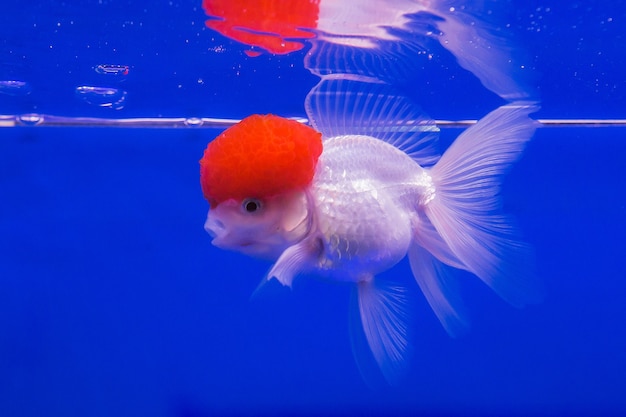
[[295, 260]]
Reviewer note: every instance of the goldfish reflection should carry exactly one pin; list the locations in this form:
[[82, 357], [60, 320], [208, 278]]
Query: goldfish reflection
[[388, 40], [272, 25]]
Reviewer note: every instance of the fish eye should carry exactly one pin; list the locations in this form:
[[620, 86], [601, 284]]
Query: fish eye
[[251, 205]]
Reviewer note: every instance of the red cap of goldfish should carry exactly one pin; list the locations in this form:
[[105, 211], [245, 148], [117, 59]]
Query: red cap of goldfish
[[261, 156]]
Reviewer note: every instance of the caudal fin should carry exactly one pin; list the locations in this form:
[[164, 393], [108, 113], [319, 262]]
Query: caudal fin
[[466, 209]]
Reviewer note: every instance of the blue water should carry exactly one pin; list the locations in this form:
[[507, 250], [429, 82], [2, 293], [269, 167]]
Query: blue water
[[114, 303]]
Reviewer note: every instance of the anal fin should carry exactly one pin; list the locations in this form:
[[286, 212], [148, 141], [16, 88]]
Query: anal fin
[[385, 321], [440, 290]]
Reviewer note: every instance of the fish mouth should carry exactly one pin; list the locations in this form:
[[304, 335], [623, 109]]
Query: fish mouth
[[215, 228], [221, 238], [218, 232]]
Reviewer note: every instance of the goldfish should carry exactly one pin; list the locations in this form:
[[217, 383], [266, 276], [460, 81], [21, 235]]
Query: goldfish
[[363, 187]]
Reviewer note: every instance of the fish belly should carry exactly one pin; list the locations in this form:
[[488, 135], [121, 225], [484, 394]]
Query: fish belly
[[367, 195]]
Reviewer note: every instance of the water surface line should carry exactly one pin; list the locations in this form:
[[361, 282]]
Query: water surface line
[[47, 120]]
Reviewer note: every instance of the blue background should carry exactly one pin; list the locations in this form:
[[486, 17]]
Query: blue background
[[114, 303]]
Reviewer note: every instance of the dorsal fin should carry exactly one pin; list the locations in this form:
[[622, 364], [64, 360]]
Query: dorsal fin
[[343, 104]]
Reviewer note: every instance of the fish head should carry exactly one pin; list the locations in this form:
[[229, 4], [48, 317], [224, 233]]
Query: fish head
[[260, 227], [255, 176]]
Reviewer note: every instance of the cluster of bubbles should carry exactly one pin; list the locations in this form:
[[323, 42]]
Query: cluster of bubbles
[[111, 97], [101, 96]]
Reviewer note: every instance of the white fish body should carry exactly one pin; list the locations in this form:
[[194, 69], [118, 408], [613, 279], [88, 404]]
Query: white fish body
[[367, 194]]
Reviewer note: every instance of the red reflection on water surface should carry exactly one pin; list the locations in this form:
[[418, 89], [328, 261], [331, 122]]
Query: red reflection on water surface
[[272, 25]]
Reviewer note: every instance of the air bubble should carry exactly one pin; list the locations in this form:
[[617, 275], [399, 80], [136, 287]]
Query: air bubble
[[194, 121], [14, 87], [112, 70], [102, 96], [31, 119]]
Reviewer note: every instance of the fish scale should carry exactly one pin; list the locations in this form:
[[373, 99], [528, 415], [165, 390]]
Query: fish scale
[[365, 222]]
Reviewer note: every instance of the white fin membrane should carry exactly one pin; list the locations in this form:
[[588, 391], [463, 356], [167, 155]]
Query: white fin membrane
[[426, 235], [365, 56], [385, 320], [482, 50], [353, 105], [465, 209], [440, 290], [294, 260]]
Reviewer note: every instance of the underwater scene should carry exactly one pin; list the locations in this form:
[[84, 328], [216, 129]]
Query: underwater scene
[[312, 207]]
